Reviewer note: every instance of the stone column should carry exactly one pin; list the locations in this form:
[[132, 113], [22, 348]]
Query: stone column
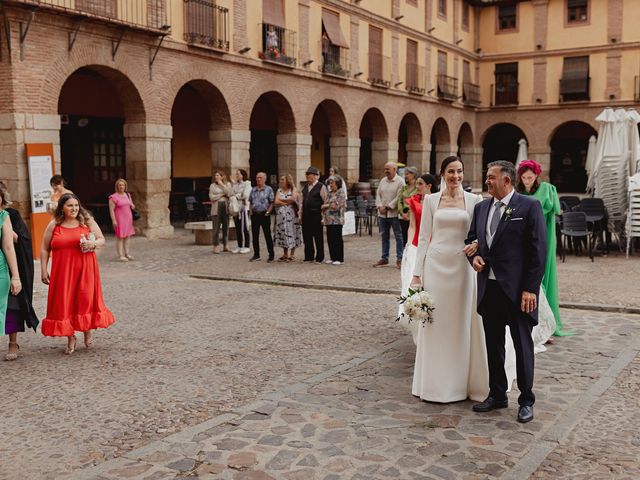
[[381, 153], [542, 155], [230, 150], [303, 26], [294, 155], [472, 158], [345, 154], [417, 156], [148, 154], [442, 152], [16, 129]]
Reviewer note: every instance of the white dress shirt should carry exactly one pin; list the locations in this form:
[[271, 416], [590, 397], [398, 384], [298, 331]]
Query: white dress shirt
[[505, 202]]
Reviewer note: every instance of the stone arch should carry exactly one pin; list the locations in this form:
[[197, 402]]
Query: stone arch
[[500, 142], [410, 146], [329, 141], [441, 147], [374, 144], [465, 136], [569, 142]]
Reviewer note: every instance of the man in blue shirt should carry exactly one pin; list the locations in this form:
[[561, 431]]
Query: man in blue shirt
[[261, 205]]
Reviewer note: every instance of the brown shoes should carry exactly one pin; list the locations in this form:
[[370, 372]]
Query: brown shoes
[[398, 263], [381, 263]]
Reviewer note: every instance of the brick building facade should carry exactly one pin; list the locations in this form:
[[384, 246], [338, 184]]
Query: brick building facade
[[149, 91]]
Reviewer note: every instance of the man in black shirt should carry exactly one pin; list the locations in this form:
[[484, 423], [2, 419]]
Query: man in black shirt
[[314, 195]]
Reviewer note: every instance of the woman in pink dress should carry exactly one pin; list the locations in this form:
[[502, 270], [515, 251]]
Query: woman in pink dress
[[120, 206]]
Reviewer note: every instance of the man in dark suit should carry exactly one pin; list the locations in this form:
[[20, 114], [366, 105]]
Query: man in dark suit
[[511, 235]]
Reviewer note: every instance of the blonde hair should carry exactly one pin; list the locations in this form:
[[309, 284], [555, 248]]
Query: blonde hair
[[126, 185], [223, 176], [6, 198], [288, 180], [84, 217]]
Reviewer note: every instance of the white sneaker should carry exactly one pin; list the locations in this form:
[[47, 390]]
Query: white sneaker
[[245, 250], [328, 262], [235, 250], [337, 263]]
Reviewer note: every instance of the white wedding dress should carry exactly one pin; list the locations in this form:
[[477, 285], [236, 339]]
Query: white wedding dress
[[451, 360]]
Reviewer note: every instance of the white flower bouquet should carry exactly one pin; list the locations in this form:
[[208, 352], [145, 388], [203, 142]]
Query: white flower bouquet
[[417, 305]]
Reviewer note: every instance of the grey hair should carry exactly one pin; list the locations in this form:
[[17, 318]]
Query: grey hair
[[506, 169], [6, 198], [335, 178]]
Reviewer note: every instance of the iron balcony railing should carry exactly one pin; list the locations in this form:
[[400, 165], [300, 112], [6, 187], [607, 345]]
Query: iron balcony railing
[[447, 87], [335, 60], [504, 94], [471, 94], [574, 89], [636, 93], [379, 70], [206, 23], [145, 14], [278, 45], [414, 83]]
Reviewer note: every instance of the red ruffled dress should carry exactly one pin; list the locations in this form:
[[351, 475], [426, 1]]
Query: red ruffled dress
[[415, 204], [75, 300]]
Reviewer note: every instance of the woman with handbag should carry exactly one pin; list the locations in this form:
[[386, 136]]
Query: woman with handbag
[[288, 230], [219, 193], [121, 211]]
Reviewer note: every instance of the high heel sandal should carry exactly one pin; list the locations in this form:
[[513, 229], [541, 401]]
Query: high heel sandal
[[9, 357], [70, 349]]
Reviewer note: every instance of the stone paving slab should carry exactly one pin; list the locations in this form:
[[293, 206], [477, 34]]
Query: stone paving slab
[[363, 423]]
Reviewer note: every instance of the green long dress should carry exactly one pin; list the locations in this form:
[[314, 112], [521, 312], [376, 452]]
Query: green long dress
[[547, 195], [5, 279]]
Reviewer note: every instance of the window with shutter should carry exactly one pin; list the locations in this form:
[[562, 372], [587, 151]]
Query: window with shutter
[[507, 19], [442, 8], [412, 72], [376, 60], [465, 15], [574, 84], [506, 86], [577, 11]]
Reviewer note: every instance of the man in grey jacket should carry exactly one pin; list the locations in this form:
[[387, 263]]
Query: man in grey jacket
[[387, 205]]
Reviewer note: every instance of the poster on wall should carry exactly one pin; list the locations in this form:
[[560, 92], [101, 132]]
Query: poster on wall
[[40, 172]]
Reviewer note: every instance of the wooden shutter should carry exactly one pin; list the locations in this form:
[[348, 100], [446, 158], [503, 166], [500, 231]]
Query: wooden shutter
[[375, 40], [273, 12], [575, 67], [412, 52], [466, 72], [331, 22], [442, 63]]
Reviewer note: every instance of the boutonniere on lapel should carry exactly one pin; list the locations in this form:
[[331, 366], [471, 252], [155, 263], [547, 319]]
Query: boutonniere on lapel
[[507, 213]]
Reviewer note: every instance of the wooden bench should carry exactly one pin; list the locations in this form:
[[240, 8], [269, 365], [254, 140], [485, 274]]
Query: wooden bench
[[204, 231]]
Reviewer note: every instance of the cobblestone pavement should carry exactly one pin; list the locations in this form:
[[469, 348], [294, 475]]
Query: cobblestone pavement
[[226, 380], [362, 423]]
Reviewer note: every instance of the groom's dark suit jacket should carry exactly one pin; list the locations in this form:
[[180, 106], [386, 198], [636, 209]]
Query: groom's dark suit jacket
[[518, 251]]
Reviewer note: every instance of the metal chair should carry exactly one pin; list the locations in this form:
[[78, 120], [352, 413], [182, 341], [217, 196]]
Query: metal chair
[[569, 202], [596, 213], [574, 226], [195, 211], [362, 218], [351, 206]]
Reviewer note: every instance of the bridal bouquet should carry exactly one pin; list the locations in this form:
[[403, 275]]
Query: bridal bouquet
[[417, 305]]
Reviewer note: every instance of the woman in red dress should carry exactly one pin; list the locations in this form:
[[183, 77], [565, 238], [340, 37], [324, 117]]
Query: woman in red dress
[[75, 300]]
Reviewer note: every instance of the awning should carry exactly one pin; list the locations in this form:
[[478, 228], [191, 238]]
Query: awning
[[273, 12], [331, 22]]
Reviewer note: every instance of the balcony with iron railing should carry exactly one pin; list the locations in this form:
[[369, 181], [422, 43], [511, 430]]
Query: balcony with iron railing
[[335, 60], [206, 24], [574, 89], [140, 14], [415, 81], [471, 94], [447, 88], [504, 94], [278, 45], [636, 90], [379, 70]]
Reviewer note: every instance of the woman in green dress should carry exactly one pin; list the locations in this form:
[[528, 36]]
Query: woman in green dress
[[9, 274], [528, 184]]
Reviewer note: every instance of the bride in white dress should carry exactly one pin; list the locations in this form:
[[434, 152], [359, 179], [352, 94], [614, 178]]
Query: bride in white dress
[[451, 360]]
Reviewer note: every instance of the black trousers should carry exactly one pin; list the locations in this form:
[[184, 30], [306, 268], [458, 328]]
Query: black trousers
[[335, 242], [312, 234], [404, 225], [242, 228], [258, 221], [497, 312]]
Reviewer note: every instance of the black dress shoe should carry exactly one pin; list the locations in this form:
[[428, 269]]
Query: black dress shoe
[[254, 259], [490, 404], [270, 259], [525, 413]]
